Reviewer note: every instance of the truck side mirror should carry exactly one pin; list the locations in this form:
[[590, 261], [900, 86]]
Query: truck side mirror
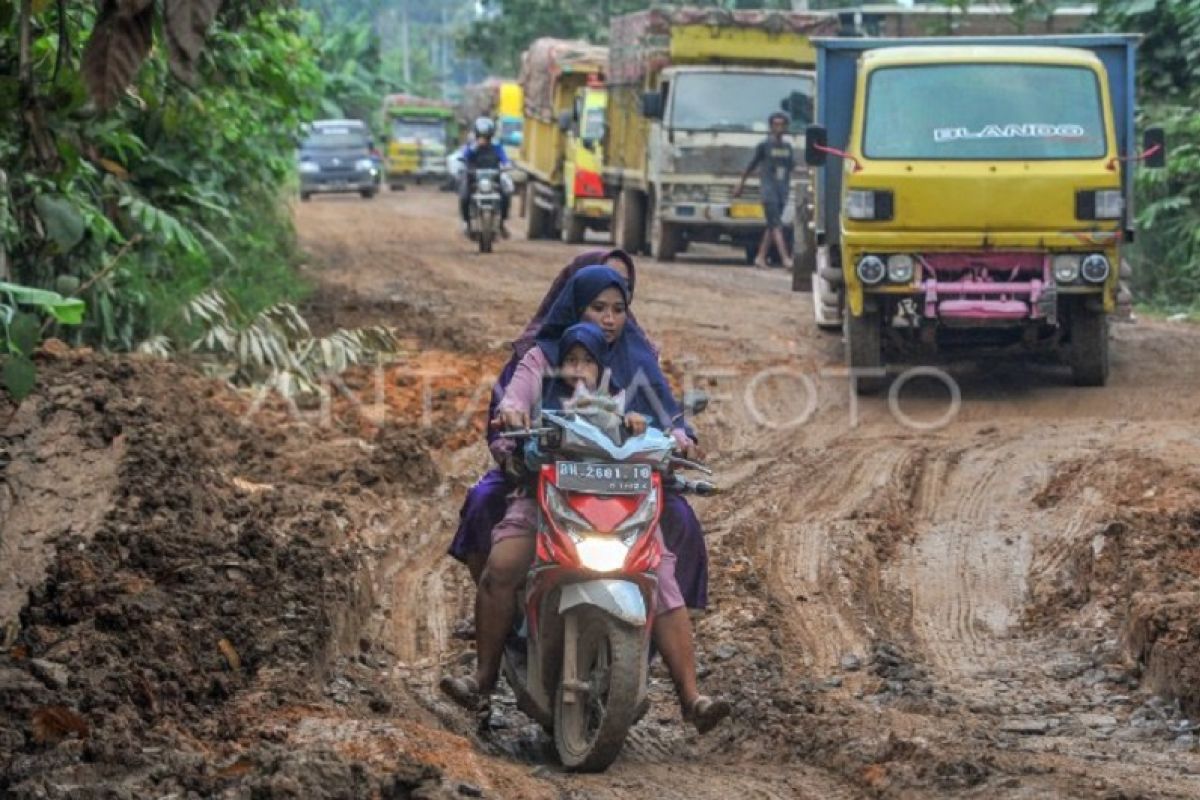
[[1154, 148], [564, 121], [815, 137], [652, 105]]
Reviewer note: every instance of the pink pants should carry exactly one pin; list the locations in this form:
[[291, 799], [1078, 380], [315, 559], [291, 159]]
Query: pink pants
[[521, 520]]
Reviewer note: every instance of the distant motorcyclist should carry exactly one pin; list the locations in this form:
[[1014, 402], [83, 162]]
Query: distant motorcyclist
[[484, 153]]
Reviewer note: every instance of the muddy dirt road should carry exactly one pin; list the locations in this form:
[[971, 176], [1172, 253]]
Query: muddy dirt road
[[997, 598]]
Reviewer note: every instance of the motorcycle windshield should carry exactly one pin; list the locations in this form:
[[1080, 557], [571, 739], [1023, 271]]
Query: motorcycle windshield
[[582, 438]]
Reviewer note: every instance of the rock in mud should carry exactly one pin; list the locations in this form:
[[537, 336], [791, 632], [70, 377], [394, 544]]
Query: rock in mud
[[1027, 727]]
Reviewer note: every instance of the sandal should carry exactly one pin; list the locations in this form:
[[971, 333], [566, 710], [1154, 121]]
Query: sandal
[[707, 712], [465, 692]]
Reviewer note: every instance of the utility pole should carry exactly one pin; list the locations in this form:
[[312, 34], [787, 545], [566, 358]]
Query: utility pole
[[404, 44]]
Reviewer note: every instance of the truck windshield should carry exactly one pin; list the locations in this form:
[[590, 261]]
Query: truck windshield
[[739, 101], [417, 129], [984, 111], [592, 128]]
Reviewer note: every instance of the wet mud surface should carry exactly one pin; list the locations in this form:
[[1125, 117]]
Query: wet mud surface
[[206, 596]]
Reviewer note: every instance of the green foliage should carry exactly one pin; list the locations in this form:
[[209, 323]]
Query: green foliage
[[273, 347], [21, 332], [177, 188], [1166, 256]]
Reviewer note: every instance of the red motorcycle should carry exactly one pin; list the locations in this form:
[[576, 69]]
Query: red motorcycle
[[578, 662]]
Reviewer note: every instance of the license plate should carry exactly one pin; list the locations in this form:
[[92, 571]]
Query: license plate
[[576, 476], [746, 211]]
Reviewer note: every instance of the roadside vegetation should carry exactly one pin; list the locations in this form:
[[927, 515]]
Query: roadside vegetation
[[1166, 255]]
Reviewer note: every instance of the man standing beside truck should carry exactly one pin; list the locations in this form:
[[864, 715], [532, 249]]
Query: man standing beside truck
[[776, 160]]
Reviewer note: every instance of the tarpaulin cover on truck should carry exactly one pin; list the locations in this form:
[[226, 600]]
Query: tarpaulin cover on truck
[[546, 61], [480, 99], [397, 103], [645, 42]]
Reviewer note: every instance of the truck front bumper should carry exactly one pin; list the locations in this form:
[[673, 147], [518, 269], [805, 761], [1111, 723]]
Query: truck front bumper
[[982, 289]]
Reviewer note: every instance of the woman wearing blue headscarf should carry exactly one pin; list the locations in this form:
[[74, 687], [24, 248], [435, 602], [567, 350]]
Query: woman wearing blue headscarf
[[599, 295], [486, 502]]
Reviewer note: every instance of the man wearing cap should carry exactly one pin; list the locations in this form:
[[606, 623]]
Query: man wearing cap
[[776, 161]]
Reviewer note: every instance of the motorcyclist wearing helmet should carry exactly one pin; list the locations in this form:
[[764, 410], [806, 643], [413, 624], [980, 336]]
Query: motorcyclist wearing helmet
[[484, 153]]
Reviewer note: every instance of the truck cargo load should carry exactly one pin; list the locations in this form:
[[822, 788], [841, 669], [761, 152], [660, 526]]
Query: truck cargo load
[[545, 65], [646, 42]]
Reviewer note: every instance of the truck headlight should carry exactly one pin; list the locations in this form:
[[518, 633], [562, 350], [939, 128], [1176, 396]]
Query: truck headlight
[[869, 205], [1066, 268], [1102, 204], [900, 268], [364, 165], [871, 270], [602, 553], [1095, 268], [309, 167]]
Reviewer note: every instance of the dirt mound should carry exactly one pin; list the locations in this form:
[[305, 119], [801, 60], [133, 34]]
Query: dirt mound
[[186, 581], [1138, 574]]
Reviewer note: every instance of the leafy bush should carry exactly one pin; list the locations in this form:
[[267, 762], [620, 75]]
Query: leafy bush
[[1166, 255], [21, 332], [176, 189]]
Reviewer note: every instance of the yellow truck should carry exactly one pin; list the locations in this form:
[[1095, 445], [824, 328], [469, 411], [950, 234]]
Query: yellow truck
[[418, 130], [690, 92], [561, 153], [500, 99], [973, 194]]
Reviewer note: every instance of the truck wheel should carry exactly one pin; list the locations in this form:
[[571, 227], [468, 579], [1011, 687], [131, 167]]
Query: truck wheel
[[574, 228], [864, 349], [305, 197], [396, 186], [1089, 346], [627, 225], [535, 217], [366, 194], [664, 238], [751, 251], [589, 733]]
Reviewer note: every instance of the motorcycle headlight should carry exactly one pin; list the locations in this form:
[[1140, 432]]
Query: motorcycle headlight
[[602, 553], [1095, 268], [900, 268], [485, 185], [364, 165], [309, 167], [1066, 268], [871, 270]]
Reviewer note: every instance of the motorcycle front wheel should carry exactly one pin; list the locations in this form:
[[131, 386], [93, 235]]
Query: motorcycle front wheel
[[590, 730]]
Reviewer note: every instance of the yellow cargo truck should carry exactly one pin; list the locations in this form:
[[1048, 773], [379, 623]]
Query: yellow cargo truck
[[690, 91], [974, 194], [418, 130], [561, 152]]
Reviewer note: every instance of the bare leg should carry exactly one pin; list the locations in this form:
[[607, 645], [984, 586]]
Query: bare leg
[[496, 605], [673, 635], [781, 247], [475, 564], [761, 259]]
